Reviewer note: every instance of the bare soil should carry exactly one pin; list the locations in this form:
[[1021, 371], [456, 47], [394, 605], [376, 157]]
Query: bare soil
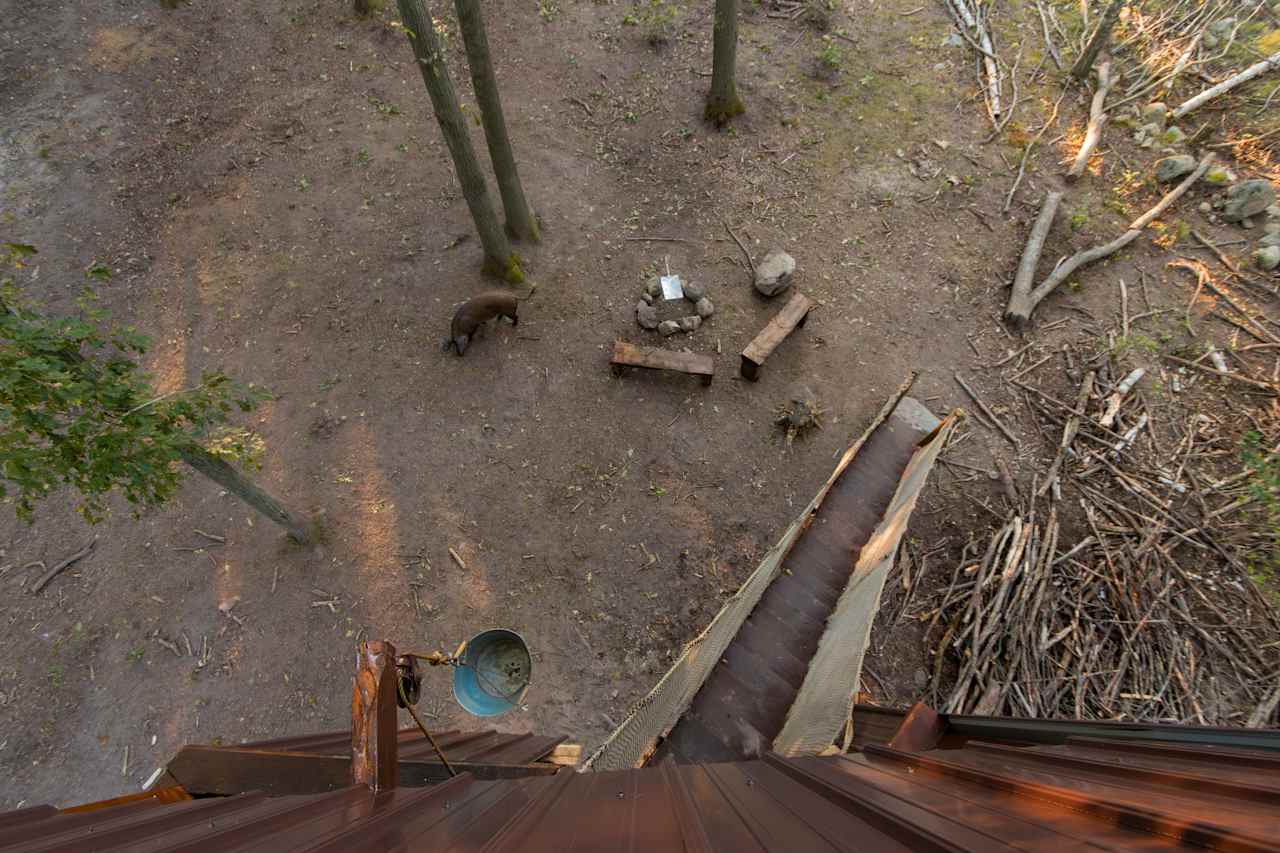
[[268, 184]]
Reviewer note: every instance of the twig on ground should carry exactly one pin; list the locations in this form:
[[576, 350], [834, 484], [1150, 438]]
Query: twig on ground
[[57, 568]]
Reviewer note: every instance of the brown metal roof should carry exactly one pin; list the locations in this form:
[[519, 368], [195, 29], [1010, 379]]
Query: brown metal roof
[[742, 705], [486, 746], [1080, 795]]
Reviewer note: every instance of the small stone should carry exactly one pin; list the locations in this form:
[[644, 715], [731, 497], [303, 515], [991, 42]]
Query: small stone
[[690, 323], [1268, 257], [1205, 207], [773, 275], [1246, 223], [646, 297], [953, 40], [1209, 40], [668, 327], [921, 678], [1270, 240], [1155, 114], [646, 315], [1271, 228], [1273, 212], [1248, 198], [1222, 27], [704, 308], [1172, 136], [653, 289], [693, 292], [1171, 168]]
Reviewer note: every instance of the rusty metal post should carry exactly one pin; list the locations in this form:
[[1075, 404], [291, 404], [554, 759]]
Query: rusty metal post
[[373, 717]]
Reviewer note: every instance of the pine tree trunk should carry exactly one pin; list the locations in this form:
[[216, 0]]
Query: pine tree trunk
[[363, 7], [429, 53], [1080, 70], [723, 103], [520, 218], [230, 478]]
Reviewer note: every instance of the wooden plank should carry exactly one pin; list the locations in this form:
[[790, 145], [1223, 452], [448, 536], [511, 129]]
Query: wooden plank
[[225, 771], [792, 315], [171, 794], [374, 738], [921, 730], [565, 755], [629, 355]]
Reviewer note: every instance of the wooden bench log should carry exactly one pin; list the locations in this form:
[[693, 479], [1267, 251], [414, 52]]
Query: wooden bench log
[[792, 316], [630, 355]]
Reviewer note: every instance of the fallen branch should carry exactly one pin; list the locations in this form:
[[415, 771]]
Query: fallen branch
[[1235, 377], [991, 416], [1097, 253], [52, 573], [1271, 62], [966, 20], [1100, 37], [745, 253], [1031, 255], [1097, 119]]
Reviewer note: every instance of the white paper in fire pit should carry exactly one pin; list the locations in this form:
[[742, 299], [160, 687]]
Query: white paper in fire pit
[[671, 288]]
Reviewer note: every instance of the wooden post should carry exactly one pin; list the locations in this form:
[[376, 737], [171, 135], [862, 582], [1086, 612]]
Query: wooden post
[[373, 717]]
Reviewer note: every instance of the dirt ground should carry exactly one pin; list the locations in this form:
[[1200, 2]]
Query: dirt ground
[[268, 184]]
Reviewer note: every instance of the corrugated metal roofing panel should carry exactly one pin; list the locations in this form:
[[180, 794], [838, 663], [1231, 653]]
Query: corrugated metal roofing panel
[[938, 800]]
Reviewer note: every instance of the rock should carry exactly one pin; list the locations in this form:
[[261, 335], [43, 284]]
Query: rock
[[704, 308], [653, 289], [668, 327], [1205, 207], [1271, 228], [921, 678], [646, 297], [1222, 28], [646, 315], [953, 40], [773, 274], [1171, 168], [1219, 175], [1273, 212], [1246, 223], [1155, 114], [1209, 40], [690, 323], [1248, 198], [1270, 240], [1268, 257], [693, 292], [1172, 136]]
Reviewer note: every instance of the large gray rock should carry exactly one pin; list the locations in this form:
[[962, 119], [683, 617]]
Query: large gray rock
[[1171, 168], [704, 308], [773, 274], [693, 291], [1268, 257], [646, 315], [1248, 198], [668, 327], [1270, 240], [690, 323]]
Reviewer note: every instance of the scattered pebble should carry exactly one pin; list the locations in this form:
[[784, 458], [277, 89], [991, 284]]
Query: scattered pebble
[[646, 315], [1248, 198], [1268, 257], [668, 327], [693, 291], [1171, 169], [690, 323]]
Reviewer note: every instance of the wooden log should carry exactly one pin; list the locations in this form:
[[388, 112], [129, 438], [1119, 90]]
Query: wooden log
[[629, 355], [1019, 299], [1097, 120], [374, 736], [1271, 62], [792, 316]]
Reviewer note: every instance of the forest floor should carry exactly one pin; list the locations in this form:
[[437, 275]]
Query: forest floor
[[267, 183]]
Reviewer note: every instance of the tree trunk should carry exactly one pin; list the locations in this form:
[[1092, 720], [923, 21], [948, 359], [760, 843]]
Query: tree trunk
[[229, 477], [363, 7], [723, 102], [429, 53], [1080, 70], [520, 217]]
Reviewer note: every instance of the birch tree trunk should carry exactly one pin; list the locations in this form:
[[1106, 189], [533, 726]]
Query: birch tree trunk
[[521, 220], [723, 102], [429, 54], [233, 480]]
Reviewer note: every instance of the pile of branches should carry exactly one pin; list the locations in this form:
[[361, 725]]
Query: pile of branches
[[1149, 615]]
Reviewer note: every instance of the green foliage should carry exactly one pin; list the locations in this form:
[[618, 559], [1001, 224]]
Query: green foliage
[[548, 10], [76, 410], [655, 18], [1264, 486], [831, 56], [817, 13]]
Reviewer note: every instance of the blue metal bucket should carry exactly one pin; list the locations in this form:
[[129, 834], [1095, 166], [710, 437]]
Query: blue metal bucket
[[493, 673]]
